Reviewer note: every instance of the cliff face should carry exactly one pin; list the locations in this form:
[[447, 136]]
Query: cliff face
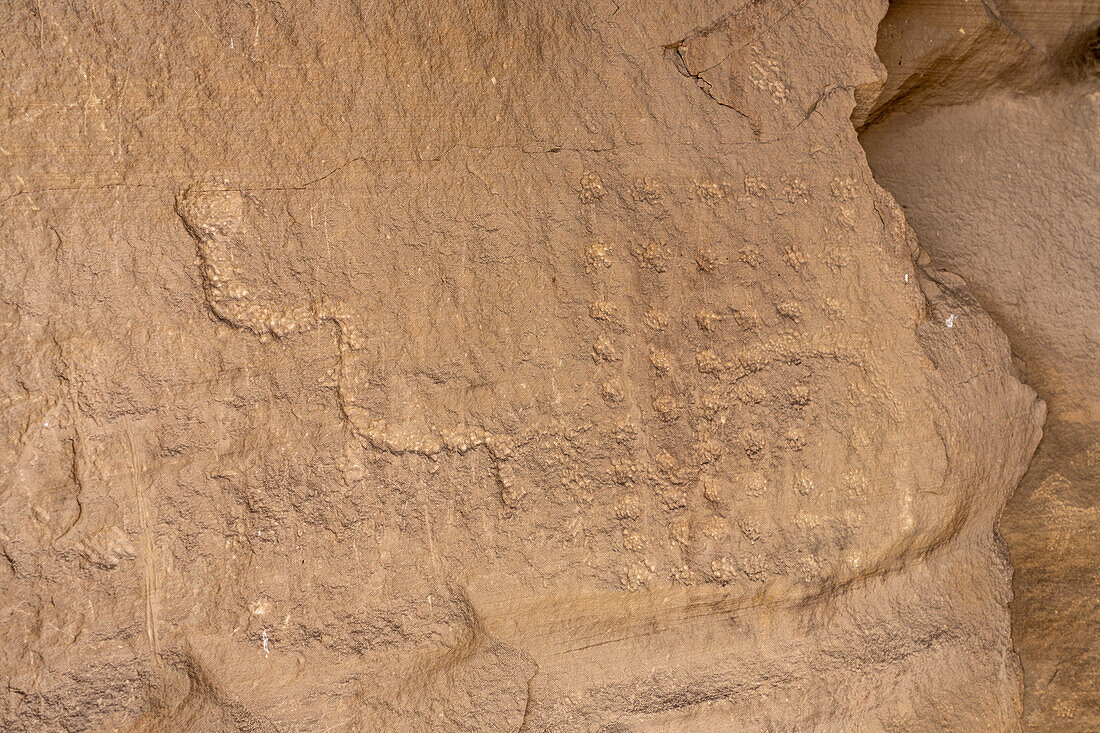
[[955, 52], [1006, 192], [479, 367], [987, 133]]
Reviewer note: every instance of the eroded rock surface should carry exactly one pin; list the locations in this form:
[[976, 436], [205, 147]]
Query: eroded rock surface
[[434, 367], [946, 52], [1006, 192]]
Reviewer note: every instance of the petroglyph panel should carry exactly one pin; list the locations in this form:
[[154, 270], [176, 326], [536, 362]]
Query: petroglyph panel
[[545, 367], [662, 354]]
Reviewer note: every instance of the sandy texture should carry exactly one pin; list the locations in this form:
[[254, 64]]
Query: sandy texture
[[1007, 192], [484, 367]]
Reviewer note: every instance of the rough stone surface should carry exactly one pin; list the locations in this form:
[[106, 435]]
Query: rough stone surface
[[1006, 192], [943, 52], [484, 367]]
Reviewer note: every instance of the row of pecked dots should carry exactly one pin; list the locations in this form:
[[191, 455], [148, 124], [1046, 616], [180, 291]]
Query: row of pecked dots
[[597, 259], [649, 256]]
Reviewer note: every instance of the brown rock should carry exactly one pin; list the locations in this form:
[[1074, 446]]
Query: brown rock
[[1006, 191], [305, 301], [943, 52]]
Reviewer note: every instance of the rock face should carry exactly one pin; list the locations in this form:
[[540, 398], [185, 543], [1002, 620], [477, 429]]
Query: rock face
[[485, 367], [1006, 192], [946, 52]]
